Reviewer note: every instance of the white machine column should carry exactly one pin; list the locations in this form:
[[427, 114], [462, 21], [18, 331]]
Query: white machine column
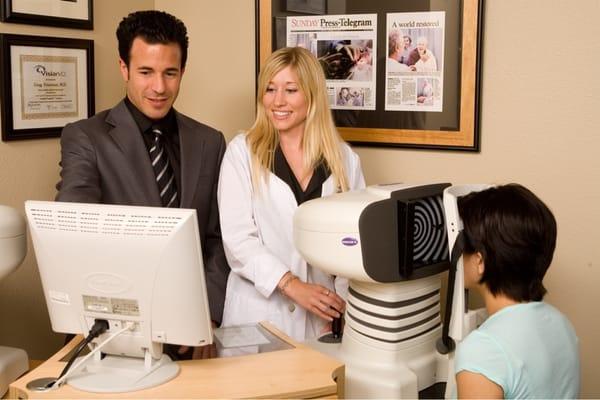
[[389, 338], [13, 247]]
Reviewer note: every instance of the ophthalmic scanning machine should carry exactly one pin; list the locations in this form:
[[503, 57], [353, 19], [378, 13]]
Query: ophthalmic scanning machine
[[394, 243]]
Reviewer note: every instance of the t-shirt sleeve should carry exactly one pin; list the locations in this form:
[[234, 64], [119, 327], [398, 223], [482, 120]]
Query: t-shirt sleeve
[[481, 354]]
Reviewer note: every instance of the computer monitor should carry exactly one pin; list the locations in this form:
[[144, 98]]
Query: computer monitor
[[122, 264]]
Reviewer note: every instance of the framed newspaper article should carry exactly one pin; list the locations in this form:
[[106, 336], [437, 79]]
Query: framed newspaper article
[[46, 82], [399, 73]]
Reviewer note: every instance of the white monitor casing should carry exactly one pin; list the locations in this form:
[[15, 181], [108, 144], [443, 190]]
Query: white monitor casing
[[122, 264]]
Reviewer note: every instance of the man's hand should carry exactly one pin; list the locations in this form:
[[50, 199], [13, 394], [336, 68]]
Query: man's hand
[[204, 352]]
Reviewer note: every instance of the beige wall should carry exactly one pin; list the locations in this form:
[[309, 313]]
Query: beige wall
[[29, 170], [539, 126], [218, 85]]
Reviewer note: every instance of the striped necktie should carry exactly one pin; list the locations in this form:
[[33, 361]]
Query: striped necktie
[[165, 178]]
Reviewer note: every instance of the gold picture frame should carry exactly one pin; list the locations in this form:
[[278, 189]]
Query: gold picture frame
[[407, 129]]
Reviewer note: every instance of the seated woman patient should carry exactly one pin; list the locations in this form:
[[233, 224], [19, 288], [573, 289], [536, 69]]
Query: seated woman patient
[[291, 154], [526, 348]]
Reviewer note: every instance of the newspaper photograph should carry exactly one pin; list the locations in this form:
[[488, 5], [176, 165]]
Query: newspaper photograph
[[346, 47], [414, 70]]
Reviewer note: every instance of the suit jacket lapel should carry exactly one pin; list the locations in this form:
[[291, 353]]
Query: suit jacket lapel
[[136, 161], [192, 147]]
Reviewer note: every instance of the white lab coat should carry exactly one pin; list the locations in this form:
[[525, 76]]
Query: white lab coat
[[257, 237]]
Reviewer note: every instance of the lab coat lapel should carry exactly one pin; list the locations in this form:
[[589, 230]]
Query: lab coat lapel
[[135, 162], [283, 188], [327, 188]]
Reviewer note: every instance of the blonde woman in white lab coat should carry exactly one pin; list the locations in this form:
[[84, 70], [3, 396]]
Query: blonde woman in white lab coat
[[291, 154]]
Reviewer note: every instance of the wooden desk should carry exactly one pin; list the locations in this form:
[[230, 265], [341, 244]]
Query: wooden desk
[[299, 372]]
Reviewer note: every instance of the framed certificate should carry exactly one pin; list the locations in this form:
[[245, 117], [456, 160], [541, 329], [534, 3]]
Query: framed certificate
[[398, 73], [76, 14], [46, 83]]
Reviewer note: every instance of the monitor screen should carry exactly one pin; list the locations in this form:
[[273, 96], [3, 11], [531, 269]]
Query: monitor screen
[[122, 264]]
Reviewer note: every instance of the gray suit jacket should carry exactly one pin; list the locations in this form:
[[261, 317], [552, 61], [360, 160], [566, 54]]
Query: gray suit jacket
[[104, 160]]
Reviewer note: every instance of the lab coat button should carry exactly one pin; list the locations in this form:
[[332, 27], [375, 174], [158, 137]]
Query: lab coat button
[[291, 307]]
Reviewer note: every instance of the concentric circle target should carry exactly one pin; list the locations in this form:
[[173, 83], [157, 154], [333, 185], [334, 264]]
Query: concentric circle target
[[430, 243]]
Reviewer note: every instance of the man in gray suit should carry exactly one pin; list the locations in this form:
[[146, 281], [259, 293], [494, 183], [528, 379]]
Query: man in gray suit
[[112, 157]]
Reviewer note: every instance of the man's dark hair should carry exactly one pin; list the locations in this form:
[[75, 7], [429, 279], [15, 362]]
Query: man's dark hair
[[153, 27], [515, 233]]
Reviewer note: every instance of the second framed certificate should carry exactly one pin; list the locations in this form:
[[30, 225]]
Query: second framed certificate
[[46, 83], [76, 14]]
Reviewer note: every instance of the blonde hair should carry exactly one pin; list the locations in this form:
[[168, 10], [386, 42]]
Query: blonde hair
[[320, 142]]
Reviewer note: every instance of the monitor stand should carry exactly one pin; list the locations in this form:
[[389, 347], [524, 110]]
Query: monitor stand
[[114, 374]]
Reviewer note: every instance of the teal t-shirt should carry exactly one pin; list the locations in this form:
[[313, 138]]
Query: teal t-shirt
[[529, 349]]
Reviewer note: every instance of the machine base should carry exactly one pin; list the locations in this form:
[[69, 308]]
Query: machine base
[[373, 374]]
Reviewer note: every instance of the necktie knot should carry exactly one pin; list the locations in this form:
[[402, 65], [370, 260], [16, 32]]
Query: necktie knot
[[158, 134]]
